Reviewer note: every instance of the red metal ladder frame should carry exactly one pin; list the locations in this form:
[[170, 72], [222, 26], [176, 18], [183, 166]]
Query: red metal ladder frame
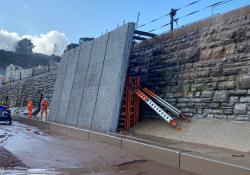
[[132, 102]]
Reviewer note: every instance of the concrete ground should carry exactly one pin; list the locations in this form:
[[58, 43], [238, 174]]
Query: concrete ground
[[47, 154]]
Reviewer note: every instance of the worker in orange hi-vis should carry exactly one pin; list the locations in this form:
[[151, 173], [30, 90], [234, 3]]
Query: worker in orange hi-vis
[[30, 108], [44, 108]]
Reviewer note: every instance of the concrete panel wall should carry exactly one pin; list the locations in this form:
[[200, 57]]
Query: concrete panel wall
[[91, 93], [79, 84], [58, 86], [67, 86], [113, 79], [92, 82]]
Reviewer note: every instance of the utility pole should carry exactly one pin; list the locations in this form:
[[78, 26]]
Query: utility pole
[[138, 19], [172, 15]]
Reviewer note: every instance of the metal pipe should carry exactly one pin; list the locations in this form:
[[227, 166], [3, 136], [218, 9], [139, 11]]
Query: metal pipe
[[163, 102]]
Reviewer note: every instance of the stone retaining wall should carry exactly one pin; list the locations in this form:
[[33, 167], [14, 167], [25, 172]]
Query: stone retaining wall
[[203, 69], [31, 87]]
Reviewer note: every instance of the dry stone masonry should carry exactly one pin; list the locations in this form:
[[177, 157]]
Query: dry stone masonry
[[203, 69], [18, 92]]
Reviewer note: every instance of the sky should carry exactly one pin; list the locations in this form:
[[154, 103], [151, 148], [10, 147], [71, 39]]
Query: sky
[[52, 24]]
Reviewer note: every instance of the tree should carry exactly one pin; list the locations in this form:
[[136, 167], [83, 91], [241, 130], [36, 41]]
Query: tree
[[56, 50], [24, 46], [71, 46]]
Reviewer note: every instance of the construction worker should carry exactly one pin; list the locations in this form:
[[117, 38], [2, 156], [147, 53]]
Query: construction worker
[[7, 102], [30, 108], [44, 108]]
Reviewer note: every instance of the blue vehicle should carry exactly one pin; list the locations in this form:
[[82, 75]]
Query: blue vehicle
[[5, 115]]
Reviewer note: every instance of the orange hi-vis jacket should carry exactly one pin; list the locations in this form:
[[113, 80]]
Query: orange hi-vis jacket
[[44, 104], [30, 105]]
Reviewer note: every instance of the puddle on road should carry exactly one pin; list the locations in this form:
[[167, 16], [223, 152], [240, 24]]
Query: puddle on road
[[2, 136], [130, 163], [238, 155], [138, 167], [39, 133], [30, 172]]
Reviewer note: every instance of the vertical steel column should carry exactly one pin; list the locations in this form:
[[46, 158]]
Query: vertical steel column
[[129, 101], [136, 101], [128, 104]]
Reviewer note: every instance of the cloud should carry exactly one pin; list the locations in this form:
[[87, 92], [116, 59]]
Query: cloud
[[8, 40], [53, 42]]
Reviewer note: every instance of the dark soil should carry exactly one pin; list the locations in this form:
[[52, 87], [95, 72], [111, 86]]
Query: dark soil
[[8, 160]]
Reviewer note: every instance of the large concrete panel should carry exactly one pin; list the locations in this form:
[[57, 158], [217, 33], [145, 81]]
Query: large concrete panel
[[206, 166], [87, 107], [58, 86], [92, 89], [113, 78], [79, 83], [92, 82], [67, 85]]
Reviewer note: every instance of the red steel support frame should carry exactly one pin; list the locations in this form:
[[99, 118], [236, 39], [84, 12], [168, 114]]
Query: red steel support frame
[[128, 104], [131, 113], [136, 101]]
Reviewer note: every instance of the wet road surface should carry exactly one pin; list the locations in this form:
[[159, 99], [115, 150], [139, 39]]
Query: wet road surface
[[46, 154]]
